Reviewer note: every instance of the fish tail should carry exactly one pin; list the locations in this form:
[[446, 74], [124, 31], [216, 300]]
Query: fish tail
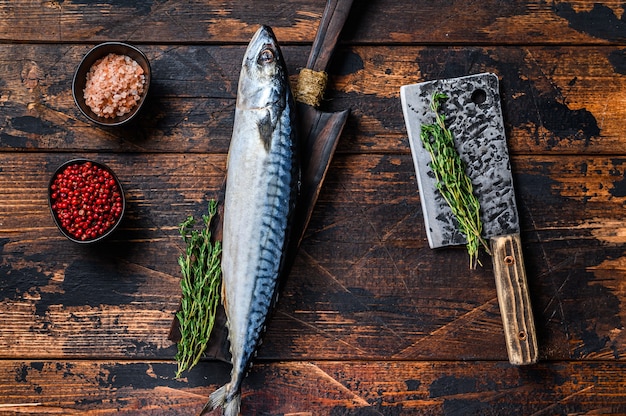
[[223, 398], [232, 407]]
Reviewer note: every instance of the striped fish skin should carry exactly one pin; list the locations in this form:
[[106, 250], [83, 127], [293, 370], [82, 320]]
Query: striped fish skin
[[261, 190]]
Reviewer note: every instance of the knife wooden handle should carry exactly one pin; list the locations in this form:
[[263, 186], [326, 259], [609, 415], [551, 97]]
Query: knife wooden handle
[[335, 15], [514, 299]]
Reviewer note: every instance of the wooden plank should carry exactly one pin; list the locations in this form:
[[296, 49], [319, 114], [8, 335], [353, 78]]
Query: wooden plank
[[315, 388], [555, 99], [171, 21], [371, 320], [548, 94], [365, 284]]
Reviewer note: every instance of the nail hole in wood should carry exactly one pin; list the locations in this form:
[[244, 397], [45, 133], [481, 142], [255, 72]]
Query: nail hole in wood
[[509, 260], [522, 336]]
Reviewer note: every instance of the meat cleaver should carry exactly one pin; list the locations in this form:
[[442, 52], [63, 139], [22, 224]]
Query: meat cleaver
[[474, 116]]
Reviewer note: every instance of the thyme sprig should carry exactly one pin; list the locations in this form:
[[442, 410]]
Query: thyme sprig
[[452, 180], [200, 284]]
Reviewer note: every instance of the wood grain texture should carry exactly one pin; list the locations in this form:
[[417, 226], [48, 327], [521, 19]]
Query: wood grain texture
[[314, 388], [370, 321], [516, 309], [549, 106], [390, 21], [339, 298]]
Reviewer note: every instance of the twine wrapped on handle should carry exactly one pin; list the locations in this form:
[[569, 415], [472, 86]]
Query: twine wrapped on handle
[[311, 86]]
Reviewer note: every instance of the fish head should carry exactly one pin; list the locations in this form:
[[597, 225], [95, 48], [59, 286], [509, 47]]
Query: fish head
[[263, 78]]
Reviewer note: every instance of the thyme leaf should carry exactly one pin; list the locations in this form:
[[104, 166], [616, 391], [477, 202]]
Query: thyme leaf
[[200, 285], [452, 181]]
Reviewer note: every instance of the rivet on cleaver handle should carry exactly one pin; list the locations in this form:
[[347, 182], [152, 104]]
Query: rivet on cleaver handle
[[474, 116]]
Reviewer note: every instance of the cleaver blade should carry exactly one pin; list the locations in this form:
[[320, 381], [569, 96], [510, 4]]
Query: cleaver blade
[[473, 114]]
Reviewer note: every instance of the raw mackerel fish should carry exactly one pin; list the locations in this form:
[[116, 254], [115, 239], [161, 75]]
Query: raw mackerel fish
[[261, 189]]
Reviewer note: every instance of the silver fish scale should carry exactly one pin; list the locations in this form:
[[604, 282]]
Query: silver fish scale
[[261, 190], [282, 167]]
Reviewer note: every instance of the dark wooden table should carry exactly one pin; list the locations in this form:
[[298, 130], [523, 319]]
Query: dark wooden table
[[371, 320]]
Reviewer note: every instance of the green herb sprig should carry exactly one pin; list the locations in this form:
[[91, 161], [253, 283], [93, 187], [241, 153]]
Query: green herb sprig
[[452, 181], [200, 284]]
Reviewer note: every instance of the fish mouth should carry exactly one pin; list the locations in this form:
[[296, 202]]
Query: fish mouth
[[264, 36]]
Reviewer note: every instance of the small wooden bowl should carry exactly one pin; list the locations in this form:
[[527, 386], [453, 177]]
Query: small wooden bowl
[[80, 80], [52, 188]]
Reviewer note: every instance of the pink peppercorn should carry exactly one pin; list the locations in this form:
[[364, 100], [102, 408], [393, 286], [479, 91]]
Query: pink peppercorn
[[86, 200]]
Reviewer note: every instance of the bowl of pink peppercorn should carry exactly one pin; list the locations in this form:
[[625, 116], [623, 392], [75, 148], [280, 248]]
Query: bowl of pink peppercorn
[[86, 200]]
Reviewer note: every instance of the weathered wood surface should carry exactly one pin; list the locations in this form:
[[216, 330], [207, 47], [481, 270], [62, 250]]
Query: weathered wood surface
[[563, 99], [365, 269], [390, 21], [371, 321], [306, 388]]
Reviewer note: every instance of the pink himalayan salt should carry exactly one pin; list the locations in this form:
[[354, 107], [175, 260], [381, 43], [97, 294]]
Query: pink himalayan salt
[[114, 85]]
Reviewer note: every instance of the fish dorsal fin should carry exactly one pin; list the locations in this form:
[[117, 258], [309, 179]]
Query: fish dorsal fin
[[266, 127]]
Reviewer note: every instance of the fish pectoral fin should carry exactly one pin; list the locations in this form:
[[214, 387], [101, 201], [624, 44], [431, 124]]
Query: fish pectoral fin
[[266, 127]]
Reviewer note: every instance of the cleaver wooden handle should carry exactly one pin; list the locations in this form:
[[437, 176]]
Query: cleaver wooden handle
[[514, 299]]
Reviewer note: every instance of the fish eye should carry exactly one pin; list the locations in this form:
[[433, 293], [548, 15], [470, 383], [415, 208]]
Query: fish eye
[[266, 56]]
